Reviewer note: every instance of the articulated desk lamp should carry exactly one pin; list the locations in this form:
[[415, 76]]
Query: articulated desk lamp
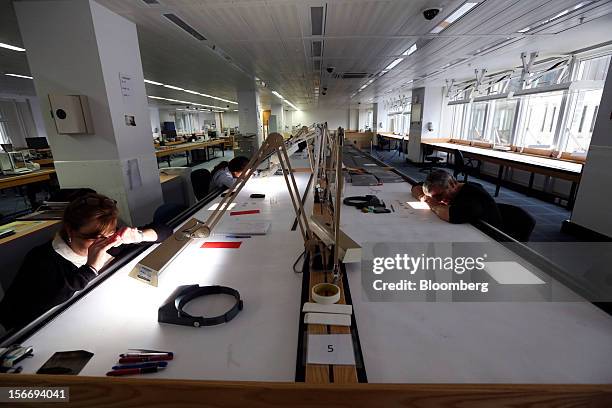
[[150, 267]]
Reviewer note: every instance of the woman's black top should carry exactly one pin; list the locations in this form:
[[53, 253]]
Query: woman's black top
[[47, 279]]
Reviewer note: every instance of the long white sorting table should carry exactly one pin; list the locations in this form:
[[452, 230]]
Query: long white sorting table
[[258, 345], [467, 342]]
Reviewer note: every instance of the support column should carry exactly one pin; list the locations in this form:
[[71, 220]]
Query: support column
[[375, 118], [249, 114], [81, 48], [279, 122], [592, 207], [425, 120]]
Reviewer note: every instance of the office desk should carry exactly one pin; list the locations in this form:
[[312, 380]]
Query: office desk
[[398, 139], [187, 147], [24, 228], [27, 178], [563, 169]]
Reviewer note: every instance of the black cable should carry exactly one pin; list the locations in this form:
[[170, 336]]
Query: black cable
[[298, 260]]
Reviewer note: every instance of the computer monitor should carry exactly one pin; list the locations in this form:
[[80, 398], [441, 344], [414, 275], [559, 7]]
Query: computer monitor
[[7, 147], [37, 143]]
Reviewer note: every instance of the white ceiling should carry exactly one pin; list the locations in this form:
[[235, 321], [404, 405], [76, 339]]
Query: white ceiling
[[272, 39]]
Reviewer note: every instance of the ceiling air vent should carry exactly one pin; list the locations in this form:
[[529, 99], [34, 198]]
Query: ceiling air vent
[[184, 26], [352, 75], [316, 20], [317, 48]]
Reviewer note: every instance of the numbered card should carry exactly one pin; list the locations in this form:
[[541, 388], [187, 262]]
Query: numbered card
[[330, 349]]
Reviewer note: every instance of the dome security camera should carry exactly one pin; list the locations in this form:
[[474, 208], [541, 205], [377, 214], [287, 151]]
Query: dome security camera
[[431, 13], [330, 69]]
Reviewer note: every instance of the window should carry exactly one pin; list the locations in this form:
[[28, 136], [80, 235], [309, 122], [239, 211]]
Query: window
[[460, 112], [539, 119], [478, 119], [504, 111], [4, 137], [593, 69], [582, 112]]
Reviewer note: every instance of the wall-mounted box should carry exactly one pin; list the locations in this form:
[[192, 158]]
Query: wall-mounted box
[[71, 114]]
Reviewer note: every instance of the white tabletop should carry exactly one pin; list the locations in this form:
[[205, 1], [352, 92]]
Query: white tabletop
[[485, 342], [515, 157], [259, 344]]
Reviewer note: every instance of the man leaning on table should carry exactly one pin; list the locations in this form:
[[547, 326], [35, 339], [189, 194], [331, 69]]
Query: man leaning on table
[[457, 202]]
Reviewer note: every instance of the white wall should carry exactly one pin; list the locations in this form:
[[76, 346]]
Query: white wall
[[230, 119], [334, 117]]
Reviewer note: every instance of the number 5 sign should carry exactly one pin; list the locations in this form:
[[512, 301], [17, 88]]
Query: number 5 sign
[[330, 349]]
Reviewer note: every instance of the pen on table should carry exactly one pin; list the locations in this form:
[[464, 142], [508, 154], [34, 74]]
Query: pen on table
[[392, 208], [142, 359], [237, 236], [132, 371], [158, 364], [146, 353]]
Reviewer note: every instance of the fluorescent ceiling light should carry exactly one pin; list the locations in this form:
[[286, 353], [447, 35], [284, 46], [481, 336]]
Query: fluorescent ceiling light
[[292, 105], [460, 12], [277, 94], [556, 16], [393, 64], [11, 47], [410, 50], [173, 87], [19, 76], [189, 91], [186, 102], [152, 82]]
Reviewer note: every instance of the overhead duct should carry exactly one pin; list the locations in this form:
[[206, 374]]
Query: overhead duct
[[184, 26]]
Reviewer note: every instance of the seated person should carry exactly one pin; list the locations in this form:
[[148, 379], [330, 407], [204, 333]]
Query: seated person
[[51, 273], [224, 173], [457, 202]]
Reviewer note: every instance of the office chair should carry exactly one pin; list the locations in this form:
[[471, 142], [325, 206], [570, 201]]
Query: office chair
[[200, 181], [381, 141], [464, 166], [517, 222], [431, 161], [166, 212]]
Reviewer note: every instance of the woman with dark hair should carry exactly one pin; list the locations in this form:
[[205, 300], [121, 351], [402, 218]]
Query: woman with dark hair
[[51, 273], [224, 173]]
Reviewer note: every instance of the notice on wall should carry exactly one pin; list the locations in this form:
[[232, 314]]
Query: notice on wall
[[125, 81]]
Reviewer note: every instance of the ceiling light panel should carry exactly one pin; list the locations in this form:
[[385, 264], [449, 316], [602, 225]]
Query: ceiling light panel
[[11, 47], [456, 15]]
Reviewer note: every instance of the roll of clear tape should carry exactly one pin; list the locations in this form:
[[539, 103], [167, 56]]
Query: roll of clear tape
[[325, 293]]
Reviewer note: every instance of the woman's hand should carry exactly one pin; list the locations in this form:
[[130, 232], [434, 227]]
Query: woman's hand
[[97, 256], [417, 192], [130, 235]]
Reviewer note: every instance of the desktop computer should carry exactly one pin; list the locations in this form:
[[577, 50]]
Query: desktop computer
[[37, 143]]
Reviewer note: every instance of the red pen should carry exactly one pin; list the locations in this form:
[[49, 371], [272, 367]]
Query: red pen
[[133, 371], [142, 358]]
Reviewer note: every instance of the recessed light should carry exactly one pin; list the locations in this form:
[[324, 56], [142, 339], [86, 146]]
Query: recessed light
[[11, 47], [19, 76]]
